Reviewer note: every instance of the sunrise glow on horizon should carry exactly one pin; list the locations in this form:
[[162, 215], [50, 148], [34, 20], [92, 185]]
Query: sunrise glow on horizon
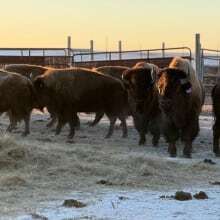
[[139, 24]]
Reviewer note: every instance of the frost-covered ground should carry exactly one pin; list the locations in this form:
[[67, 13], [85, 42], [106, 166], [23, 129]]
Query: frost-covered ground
[[134, 204], [42, 170]]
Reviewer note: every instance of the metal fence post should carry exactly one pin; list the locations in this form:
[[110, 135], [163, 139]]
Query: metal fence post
[[198, 57], [119, 49], [92, 50], [69, 62], [163, 49]]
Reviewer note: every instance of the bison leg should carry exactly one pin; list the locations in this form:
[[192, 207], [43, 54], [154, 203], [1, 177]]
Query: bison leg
[[172, 149], [188, 135], [76, 122], [27, 125], [187, 150], [60, 125], [155, 131], [141, 125], [112, 120], [142, 139], [216, 135], [98, 117], [52, 121], [124, 126], [72, 129], [13, 122], [155, 139]]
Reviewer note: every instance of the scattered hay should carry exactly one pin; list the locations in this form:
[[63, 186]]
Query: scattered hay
[[17, 153], [7, 164], [72, 203], [200, 195], [38, 217], [182, 196], [13, 181], [105, 182], [215, 183]]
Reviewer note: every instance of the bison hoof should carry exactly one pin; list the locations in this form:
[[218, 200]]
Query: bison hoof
[[70, 136], [141, 142], [155, 143], [173, 155], [217, 154], [188, 156], [24, 134], [124, 135], [50, 124]]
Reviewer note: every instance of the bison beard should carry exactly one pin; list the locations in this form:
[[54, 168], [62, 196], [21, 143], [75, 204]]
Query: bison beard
[[81, 90], [143, 100], [180, 104]]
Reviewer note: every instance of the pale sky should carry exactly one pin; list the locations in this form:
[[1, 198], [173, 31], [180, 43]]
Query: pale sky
[[140, 24]]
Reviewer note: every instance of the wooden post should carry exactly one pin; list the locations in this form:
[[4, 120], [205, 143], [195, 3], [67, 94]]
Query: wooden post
[[69, 63], [92, 50], [163, 49], [198, 57], [69, 46], [119, 49]]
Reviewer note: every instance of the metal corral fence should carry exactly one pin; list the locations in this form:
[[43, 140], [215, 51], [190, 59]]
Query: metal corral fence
[[57, 57], [210, 68], [161, 57], [65, 57]]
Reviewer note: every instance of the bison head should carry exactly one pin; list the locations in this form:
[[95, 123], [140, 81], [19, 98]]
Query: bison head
[[139, 82], [173, 86]]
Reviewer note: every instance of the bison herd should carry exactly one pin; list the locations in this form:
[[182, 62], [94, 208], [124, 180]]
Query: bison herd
[[164, 101]]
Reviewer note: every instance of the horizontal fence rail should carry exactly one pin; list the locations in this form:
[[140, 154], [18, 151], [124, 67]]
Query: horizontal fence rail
[[132, 54], [64, 57]]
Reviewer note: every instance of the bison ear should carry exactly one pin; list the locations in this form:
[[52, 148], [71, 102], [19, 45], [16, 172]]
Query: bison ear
[[39, 83]]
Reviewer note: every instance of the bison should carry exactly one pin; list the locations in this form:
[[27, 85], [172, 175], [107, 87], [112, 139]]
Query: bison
[[143, 100], [31, 72], [27, 70], [17, 97], [216, 112], [114, 71], [68, 91], [181, 97]]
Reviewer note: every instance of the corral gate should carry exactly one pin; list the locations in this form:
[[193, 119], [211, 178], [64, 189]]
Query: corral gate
[[160, 57]]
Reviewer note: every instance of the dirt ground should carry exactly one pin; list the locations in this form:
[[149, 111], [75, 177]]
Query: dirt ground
[[43, 167]]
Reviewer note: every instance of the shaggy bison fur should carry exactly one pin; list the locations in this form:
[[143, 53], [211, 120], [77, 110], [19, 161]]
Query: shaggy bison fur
[[181, 97], [143, 100], [216, 112], [68, 91], [17, 97], [31, 72], [114, 71]]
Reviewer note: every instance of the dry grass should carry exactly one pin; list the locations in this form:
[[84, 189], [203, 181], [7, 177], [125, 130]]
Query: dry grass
[[44, 167]]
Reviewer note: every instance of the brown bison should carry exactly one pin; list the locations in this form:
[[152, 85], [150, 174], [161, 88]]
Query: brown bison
[[216, 112], [114, 71], [181, 98], [68, 91], [17, 97], [31, 72], [27, 70], [143, 99]]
